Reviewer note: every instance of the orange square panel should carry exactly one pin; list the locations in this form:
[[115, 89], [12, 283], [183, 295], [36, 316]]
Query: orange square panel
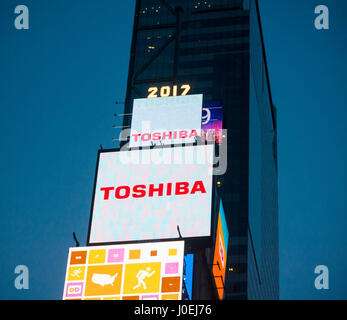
[[170, 284], [103, 280], [78, 257], [134, 254], [131, 298]]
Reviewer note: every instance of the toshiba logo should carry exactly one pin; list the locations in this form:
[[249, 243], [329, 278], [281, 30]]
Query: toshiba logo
[[156, 136], [163, 189]]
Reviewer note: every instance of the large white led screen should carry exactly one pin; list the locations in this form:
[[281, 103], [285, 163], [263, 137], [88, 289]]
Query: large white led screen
[[143, 201]]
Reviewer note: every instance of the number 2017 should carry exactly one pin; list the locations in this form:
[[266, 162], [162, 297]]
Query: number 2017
[[166, 91]]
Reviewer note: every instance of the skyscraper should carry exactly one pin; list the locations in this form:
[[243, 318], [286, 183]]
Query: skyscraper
[[217, 47]]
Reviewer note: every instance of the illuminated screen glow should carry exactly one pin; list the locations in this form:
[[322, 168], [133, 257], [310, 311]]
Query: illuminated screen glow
[[164, 121], [220, 254], [188, 274], [212, 122], [148, 199], [143, 271]]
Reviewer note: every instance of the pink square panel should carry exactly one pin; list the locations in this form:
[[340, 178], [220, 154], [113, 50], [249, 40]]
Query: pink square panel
[[74, 289], [115, 255], [171, 268]]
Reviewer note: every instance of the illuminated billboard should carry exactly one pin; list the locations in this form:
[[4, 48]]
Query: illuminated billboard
[[146, 194], [212, 122], [188, 276], [220, 253], [144, 271], [165, 121]]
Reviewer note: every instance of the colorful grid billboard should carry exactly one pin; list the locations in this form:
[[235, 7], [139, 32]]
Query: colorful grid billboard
[[146, 271], [166, 121], [145, 194], [212, 122], [220, 254]]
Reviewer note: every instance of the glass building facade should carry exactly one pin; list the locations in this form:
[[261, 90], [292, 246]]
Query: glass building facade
[[216, 46]]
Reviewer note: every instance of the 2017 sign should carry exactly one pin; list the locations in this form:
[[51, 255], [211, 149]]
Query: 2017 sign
[[167, 91]]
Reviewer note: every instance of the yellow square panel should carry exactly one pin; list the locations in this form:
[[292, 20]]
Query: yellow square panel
[[142, 278], [169, 296], [97, 256], [76, 273], [172, 252]]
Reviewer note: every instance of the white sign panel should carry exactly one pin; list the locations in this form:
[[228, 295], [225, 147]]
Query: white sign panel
[[163, 121], [146, 194]]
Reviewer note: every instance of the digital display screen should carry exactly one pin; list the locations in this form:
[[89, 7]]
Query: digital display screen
[[212, 122], [143, 271], [146, 194], [220, 254], [188, 276], [166, 121]]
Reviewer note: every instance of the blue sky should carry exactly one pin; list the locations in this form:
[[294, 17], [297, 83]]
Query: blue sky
[[58, 84]]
